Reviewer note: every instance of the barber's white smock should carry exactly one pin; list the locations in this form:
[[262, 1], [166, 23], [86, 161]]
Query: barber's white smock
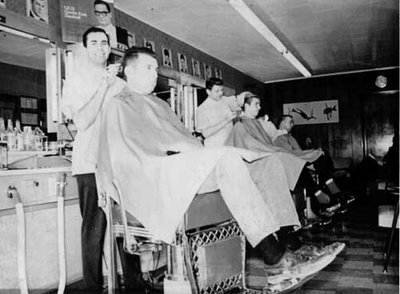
[[78, 90], [211, 112]]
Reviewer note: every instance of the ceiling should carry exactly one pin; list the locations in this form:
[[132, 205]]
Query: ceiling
[[326, 36]]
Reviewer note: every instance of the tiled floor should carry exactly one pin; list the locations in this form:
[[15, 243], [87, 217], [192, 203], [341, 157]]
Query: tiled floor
[[358, 268]]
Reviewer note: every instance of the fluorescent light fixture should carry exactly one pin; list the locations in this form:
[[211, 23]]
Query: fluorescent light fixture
[[23, 34], [260, 27]]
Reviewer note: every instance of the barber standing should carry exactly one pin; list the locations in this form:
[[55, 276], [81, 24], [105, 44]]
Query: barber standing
[[216, 114], [85, 93]]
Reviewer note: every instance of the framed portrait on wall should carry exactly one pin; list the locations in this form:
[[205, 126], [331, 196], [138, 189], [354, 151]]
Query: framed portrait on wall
[[131, 39], [182, 61], [149, 44], [217, 73], [207, 72], [36, 9], [196, 68], [167, 57]]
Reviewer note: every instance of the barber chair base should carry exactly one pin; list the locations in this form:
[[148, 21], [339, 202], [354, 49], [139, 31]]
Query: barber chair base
[[217, 256], [180, 286]]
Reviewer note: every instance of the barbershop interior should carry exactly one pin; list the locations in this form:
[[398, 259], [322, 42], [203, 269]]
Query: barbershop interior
[[199, 146]]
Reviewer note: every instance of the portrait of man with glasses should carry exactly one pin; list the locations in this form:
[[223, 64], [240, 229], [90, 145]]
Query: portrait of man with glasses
[[103, 13]]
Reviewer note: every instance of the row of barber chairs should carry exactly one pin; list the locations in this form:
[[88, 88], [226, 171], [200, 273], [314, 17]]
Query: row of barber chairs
[[207, 257]]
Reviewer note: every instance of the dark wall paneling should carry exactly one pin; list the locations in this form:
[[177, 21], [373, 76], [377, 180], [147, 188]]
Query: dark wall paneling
[[369, 116], [16, 80]]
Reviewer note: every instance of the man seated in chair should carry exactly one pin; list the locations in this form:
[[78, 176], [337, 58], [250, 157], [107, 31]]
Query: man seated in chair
[[250, 133], [139, 130], [321, 161]]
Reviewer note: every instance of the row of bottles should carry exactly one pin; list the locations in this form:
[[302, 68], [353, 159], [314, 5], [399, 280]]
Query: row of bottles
[[18, 140]]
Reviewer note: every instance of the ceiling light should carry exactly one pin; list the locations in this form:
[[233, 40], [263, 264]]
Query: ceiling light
[[260, 27], [23, 34]]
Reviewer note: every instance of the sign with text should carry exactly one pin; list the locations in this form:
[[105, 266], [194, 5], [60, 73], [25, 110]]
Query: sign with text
[[77, 16]]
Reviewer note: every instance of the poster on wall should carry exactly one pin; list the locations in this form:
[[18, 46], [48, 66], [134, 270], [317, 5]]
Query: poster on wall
[[316, 112], [196, 68], [77, 16], [182, 63], [36, 9]]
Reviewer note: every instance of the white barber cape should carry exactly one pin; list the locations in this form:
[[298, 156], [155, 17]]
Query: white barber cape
[[137, 131]]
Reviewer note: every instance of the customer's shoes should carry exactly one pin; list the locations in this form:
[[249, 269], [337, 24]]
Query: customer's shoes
[[286, 285], [317, 251], [330, 211], [332, 187], [298, 265]]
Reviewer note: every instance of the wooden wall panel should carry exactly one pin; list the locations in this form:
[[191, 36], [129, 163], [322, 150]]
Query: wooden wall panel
[[367, 114]]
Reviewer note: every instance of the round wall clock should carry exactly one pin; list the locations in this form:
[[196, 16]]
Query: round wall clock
[[381, 81]]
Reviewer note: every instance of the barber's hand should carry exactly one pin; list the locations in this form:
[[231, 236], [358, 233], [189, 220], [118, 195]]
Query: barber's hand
[[111, 73], [231, 115]]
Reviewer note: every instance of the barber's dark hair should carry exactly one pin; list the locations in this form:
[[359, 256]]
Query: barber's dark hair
[[132, 54], [212, 82], [98, 2], [93, 30]]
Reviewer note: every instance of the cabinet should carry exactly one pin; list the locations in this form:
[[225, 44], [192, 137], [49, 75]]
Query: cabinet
[[38, 191]]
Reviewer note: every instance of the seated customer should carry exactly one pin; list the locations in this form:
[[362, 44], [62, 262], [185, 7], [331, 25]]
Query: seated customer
[[139, 129], [322, 163], [248, 133]]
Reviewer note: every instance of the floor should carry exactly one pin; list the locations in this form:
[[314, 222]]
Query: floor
[[357, 269]]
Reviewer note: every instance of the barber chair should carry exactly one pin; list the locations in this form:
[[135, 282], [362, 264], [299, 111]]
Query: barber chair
[[208, 255]]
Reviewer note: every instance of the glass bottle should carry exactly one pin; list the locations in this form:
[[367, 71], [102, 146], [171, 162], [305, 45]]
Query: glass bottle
[[11, 139], [3, 134], [27, 138], [38, 139], [19, 136]]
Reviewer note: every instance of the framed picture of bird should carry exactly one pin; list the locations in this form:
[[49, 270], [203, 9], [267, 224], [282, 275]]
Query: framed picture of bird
[[313, 112]]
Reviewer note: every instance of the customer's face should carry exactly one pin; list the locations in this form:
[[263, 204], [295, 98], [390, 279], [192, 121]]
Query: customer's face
[[102, 14], [142, 74], [287, 124], [216, 92], [97, 48], [252, 109]]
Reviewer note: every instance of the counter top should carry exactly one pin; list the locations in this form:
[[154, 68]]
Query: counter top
[[26, 171]]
